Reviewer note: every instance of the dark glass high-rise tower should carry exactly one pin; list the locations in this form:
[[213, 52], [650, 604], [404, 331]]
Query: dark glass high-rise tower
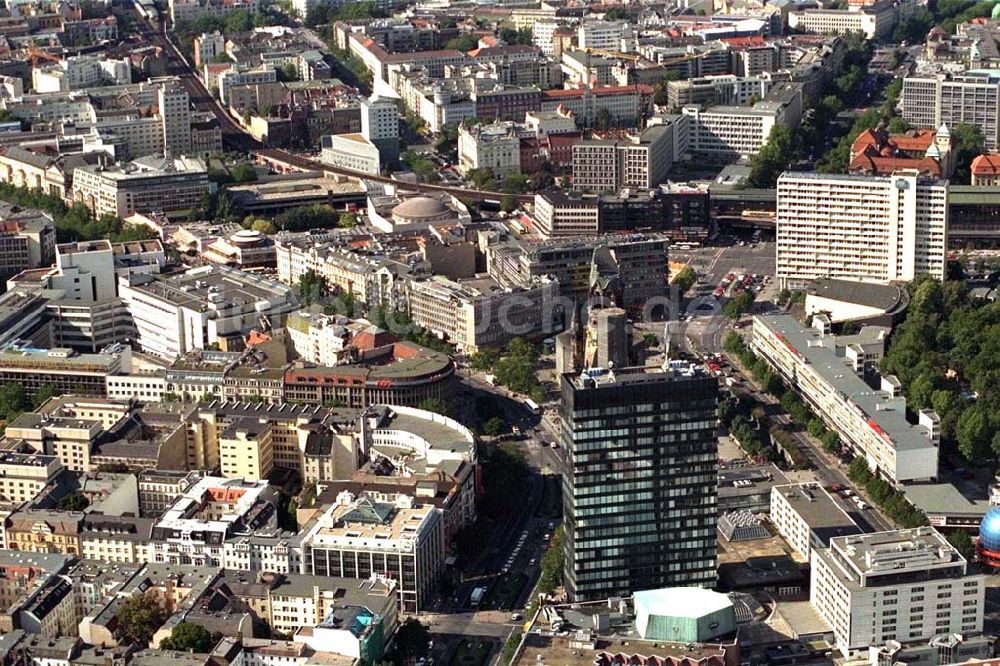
[[639, 491]]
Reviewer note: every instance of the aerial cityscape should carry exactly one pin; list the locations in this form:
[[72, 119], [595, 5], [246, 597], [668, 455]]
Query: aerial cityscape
[[499, 332]]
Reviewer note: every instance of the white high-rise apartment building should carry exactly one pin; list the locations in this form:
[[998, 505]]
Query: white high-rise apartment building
[[175, 114], [866, 228], [972, 97], [905, 585]]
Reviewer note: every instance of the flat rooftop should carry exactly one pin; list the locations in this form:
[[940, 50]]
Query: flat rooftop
[[438, 433], [197, 288], [824, 516], [282, 190], [551, 650], [603, 377], [883, 552], [819, 352]]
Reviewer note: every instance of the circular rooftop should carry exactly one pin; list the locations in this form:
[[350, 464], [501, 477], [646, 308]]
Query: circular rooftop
[[421, 208], [246, 237]]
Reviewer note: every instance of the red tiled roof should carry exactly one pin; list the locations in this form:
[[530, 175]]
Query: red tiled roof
[[987, 164], [752, 40], [883, 166]]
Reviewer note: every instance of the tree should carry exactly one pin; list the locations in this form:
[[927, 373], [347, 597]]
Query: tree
[[264, 226], [189, 636], [739, 304], [436, 405], [515, 183], [650, 340], [463, 43], [13, 401], [968, 143], [481, 179], [312, 287], [347, 220], [603, 119], [412, 640], [244, 173], [75, 501], [781, 149], [139, 617], [962, 542], [494, 426], [511, 36], [685, 279], [973, 433], [552, 564]]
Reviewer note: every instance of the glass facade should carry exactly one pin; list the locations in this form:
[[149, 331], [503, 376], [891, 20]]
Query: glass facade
[[640, 486]]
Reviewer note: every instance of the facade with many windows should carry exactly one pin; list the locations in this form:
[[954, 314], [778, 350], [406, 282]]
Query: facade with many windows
[[930, 100], [907, 586], [359, 537], [639, 493], [866, 228]]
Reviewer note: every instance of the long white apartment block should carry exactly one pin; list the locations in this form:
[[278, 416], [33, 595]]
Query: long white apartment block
[[866, 228], [904, 585], [827, 376]]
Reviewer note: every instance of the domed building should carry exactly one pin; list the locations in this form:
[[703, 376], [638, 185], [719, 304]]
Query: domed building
[[422, 210], [404, 213], [989, 538]]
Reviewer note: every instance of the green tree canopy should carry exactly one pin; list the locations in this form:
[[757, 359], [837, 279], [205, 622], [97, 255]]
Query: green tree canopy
[[782, 148], [189, 636], [139, 617], [412, 640]]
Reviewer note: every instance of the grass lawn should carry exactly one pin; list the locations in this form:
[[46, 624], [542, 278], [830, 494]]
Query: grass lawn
[[504, 594], [472, 652]]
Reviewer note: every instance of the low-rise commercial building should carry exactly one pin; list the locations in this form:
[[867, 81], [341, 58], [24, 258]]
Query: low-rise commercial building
[[350, 151], [495, 147], [808, 517], [147, 184], [194, 528], [827, 372], [177, 314], [478, 312]]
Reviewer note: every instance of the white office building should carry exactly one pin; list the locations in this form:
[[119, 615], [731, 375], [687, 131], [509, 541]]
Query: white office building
[[865, 228], [359, 537], [730, 133], [808, 517], [175, 115], [177, 314], [350, 151], [973, 97], [380, 126], [495, 147], [905, 585]]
